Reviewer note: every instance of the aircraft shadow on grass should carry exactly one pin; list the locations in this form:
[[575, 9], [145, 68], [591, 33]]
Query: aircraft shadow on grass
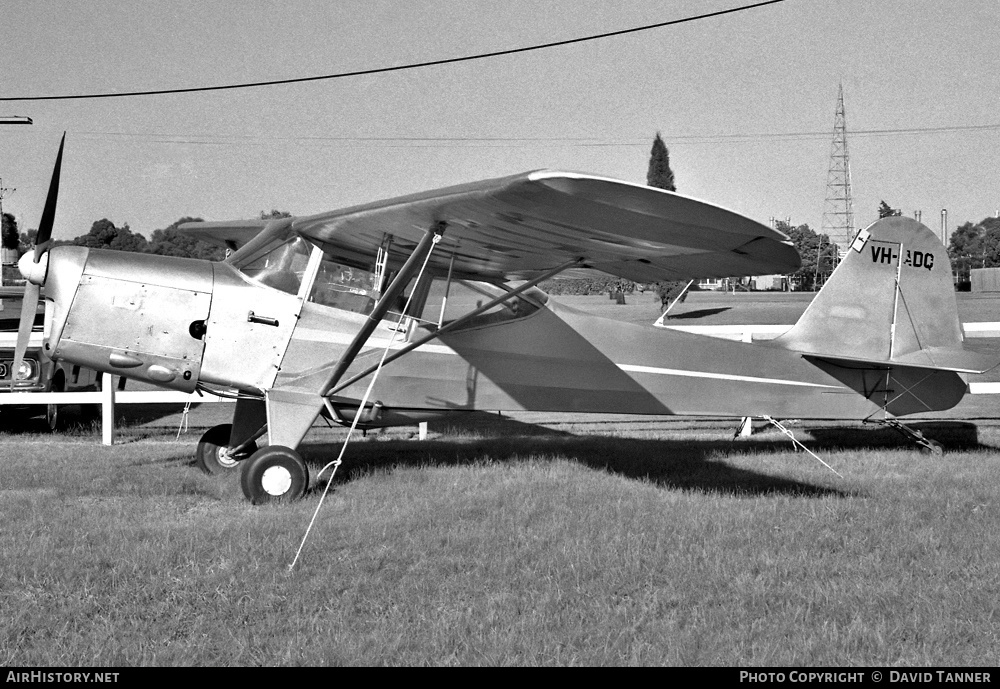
[[698, 313], [686, 464], [953, 435]]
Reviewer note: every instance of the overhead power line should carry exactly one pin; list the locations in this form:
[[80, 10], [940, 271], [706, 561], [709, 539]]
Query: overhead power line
[[444, 141], [397, 68]]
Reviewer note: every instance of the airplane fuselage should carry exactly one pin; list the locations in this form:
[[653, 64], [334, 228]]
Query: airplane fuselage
[[180, 322], [560, 359]]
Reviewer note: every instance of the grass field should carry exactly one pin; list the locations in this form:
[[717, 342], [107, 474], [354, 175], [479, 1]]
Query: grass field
[[527, 539]]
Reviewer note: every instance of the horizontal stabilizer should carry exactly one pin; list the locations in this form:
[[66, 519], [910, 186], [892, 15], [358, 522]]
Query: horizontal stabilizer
[[953, 359]]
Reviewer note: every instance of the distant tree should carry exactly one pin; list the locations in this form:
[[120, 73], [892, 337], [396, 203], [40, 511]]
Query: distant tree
[[26, 241], [887, 211], [172, 242], [105, 235], [989, 243], [659, 174], [808, 244], [9, 236], [975, 245], [264, 215], [964, 240]]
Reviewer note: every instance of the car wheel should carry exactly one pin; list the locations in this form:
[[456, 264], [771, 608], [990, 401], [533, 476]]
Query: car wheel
[[53, 420]]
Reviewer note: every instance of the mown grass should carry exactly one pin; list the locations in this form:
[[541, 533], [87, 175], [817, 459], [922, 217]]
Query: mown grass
[[645, 542]]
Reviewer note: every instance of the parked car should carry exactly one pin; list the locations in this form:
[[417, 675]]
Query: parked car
[[37, 373]]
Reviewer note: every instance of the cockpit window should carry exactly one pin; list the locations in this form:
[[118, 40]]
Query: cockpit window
[[344, 287], [281, 267]]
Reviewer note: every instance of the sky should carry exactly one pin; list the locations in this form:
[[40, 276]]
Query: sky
[[745, 103]]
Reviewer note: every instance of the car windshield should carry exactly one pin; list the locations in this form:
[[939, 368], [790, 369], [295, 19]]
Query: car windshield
[[10, 314]]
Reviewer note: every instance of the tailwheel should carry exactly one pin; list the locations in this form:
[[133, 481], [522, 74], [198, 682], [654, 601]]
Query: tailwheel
[[927, 446], [932, 447], [274, 473], [214, 455]]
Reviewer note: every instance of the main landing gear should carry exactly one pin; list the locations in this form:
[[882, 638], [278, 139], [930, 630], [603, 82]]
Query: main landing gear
[[268, 474], [214, 456], [274, 473]]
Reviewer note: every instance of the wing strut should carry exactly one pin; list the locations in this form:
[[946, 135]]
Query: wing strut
[[458, 322]]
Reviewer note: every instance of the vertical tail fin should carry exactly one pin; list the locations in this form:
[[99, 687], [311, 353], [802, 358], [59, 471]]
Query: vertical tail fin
[[891, 301]]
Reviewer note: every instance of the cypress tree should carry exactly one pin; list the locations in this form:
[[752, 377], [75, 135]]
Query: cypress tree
[[660, 175]]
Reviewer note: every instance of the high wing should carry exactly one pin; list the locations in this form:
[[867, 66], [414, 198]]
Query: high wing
[[519, 226]]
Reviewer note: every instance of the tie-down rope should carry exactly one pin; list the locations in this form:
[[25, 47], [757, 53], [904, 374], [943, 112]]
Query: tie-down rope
[[364, 400], [796, 443]]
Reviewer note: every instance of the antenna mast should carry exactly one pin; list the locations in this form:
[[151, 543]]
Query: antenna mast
[[838, 211]]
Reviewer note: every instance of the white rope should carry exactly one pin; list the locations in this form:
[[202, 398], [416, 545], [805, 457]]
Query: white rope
[[357, 416], [796, 443], [184, 420]]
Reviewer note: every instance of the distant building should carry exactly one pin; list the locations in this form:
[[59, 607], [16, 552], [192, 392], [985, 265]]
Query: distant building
[[770, 283], [985, 279], [9, 274], [712, 284], [759, 283]]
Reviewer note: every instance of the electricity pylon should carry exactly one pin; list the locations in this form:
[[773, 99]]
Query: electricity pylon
[[838, 211]]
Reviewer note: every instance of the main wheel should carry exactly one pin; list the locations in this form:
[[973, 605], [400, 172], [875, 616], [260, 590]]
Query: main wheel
[[274, 473], [214, 456]]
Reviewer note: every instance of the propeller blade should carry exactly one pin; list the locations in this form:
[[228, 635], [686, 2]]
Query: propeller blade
[[33, 290], [49, 213], [28, 309]]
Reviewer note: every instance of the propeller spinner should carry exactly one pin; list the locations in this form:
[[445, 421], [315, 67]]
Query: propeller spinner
[[34, 266]]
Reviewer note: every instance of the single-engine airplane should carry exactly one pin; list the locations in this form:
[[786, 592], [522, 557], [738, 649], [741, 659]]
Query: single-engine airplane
[[413, 308]]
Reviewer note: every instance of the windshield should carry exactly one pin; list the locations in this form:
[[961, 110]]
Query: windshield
[[281, 266]]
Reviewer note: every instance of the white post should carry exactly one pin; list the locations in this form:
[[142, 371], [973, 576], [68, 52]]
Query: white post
[[108, 409], [422, 433], [746, 425]]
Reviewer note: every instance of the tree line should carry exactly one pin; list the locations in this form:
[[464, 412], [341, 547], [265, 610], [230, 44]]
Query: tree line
[[104, 234], [975, 246]]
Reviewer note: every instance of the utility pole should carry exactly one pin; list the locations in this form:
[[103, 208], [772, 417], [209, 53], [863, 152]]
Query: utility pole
[[9, 119], [3, 194]]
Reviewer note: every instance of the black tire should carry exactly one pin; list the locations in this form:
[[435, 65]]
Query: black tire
[[274, 473], [53, 420], [213, 456]]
